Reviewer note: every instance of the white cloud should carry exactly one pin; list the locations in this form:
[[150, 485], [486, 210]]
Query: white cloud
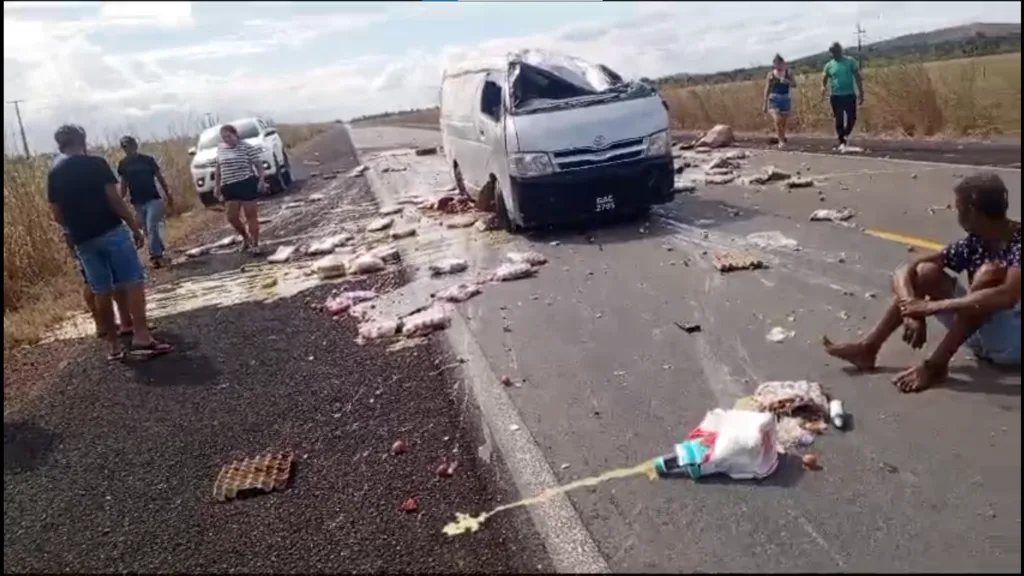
[[62, 72]]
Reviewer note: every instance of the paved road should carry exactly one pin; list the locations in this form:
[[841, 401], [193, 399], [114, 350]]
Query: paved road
[[110, 468], [929, 482]]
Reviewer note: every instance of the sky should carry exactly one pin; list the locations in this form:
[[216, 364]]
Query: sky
[[150, 68]]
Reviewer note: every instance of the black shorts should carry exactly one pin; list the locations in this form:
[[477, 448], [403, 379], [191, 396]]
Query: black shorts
[[247, 190]]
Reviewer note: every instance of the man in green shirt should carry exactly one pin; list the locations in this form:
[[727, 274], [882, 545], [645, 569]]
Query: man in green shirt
[[842, 83]]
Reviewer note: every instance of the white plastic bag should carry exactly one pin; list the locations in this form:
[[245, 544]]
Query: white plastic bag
[[458, 293], [741, 444], [531, 258], [366, 264], [331, 266], [448, 266], [425, 322]]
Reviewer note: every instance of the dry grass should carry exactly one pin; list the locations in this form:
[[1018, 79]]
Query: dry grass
[[41, 285], [954, 98]]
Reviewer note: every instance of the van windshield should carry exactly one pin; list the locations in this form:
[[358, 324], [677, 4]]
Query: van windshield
[[543, 82]]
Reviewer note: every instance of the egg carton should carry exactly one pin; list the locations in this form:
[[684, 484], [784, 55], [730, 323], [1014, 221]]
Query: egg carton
[[261, 474], [734, 261]]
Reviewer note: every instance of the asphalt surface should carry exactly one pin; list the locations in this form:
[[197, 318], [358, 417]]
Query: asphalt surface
[[923, 483], [110, 467]]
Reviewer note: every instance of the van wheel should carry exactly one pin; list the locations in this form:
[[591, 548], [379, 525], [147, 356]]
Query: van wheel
[[505, 220], [286, 174], [276, 181]]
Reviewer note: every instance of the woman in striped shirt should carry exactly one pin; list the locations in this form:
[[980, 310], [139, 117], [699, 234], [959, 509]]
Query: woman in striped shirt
[[239, 183]]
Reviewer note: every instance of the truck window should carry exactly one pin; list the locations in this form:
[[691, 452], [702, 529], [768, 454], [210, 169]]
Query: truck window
[[490, 100]]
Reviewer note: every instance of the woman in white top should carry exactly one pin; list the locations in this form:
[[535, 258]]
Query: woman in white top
[[238, 182]]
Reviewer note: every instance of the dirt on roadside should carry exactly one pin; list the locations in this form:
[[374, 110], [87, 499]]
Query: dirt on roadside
[[110, 467]]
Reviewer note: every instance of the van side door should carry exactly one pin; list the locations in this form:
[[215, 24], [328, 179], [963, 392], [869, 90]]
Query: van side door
[[490, 132]]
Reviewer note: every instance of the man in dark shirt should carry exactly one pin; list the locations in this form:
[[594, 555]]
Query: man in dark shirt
[[83, 196], [139, 175], [985, 315]]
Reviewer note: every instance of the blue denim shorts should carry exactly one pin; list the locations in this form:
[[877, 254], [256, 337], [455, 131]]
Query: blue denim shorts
[[998, 340], [110, 261], [780, 103]]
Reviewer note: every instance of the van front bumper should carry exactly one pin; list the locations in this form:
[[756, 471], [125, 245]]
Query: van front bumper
[[581, 194]]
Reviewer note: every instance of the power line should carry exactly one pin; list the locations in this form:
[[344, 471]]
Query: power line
[[21, 126]]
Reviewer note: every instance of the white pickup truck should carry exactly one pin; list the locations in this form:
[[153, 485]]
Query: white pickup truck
[[255, 131]]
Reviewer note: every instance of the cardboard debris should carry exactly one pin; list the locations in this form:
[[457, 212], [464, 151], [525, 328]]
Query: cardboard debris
[[380, 224], [262, 474], [331, 266], [734, 261]]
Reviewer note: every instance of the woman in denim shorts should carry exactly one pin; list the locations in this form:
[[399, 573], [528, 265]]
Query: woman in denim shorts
[[777, 98]]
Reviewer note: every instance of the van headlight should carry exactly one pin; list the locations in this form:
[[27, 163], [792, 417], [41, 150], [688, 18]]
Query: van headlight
[[659, 144], [530, 164]]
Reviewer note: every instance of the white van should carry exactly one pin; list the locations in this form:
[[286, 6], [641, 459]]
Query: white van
[[543, 138]]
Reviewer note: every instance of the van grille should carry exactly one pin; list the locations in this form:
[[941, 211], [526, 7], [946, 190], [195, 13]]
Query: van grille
[[620, 151]]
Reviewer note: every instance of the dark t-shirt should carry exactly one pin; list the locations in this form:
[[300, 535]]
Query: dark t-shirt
[[78, 185], [971, 253], [139, 173]]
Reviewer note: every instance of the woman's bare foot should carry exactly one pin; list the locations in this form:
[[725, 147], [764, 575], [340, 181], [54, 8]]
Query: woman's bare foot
[[920, 377], [860, 355]]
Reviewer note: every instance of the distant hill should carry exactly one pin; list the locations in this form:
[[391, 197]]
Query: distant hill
[[969, 40]]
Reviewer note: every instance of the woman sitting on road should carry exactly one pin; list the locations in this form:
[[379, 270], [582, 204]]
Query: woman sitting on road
[[238, 183], [777, 99]]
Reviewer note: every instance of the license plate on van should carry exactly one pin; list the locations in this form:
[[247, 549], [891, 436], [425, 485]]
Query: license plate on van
[[605, 203]]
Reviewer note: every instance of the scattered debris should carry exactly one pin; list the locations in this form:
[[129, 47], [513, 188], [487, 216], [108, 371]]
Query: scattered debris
[[315, 197], [429, 151], [330, 176], [331, 266], [359, 170], [719, 136], [399, 447], [735, 261], [830, 215], [390, 210], [531, 258], [772, 239], [810, 461], [448, 266], [770, 174], [242, 478], [422, 323], [459, 292], [506, 381], [399, 233], [379, 224], [564, 466], [554, 243], [282, 254], [889, 468], [387, 254], [689, 327], [779, 334], [837, 414], [341, 303], [377, 329], [720, 179], [197, 252], [366, 264], [226, 242], [683, 186], [487, 223], [799, 183], [328, 245], [310, 163], [719, 172], [461, 221], [410, 506], [388, 169], [268, 283], [513, 271], [871, 295]]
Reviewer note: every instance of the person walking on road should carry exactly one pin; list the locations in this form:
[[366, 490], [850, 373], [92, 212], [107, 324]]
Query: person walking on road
[[842, 83], [84, 199], [120, 300], [985, 315], [139, 176], [777, 98], [238, 183]]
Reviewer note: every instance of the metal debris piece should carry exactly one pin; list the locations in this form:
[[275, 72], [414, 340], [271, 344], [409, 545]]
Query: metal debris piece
[[734, 261], [262, 474], [688, 327]]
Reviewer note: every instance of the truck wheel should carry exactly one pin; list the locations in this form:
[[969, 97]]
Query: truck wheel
[[460, 184], [276, 181], [286, 175], [505, 219]]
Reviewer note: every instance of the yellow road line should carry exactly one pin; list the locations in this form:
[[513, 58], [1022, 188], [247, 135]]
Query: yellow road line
[[908, 240]]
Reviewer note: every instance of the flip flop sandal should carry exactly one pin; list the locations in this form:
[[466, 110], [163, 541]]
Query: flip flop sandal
[[151, 350], [116, 357]]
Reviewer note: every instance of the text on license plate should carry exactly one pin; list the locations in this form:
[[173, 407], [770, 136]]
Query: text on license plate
[[605, 203]]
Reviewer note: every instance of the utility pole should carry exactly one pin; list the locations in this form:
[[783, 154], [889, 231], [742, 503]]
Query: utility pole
[[21, 127], [860, 46]]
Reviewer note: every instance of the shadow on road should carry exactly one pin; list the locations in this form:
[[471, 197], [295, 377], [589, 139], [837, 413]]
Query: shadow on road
[[27, 446]]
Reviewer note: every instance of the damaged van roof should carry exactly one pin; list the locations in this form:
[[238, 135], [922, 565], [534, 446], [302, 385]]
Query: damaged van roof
[[571, 68]]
